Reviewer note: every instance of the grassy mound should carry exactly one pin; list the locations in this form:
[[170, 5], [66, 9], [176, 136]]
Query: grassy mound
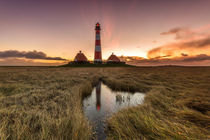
[[96, 65]]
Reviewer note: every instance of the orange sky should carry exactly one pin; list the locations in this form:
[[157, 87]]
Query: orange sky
[[154, 29]]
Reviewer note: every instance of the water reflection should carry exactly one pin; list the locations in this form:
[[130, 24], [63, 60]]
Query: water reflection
[[103, 102]]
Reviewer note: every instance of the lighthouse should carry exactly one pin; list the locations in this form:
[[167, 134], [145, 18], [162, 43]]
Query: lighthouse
[[98, 55]]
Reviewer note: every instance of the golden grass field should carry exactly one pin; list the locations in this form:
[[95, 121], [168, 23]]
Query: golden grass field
[[44, 103]]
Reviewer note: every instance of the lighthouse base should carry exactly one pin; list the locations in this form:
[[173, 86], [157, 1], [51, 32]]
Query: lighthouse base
[[98, 62], [96, 65]]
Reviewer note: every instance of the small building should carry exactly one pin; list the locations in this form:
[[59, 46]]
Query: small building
[[113, 59], [80, 58]]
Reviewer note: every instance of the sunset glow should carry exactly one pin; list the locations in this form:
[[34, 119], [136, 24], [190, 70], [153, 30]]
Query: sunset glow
[[159, 29]]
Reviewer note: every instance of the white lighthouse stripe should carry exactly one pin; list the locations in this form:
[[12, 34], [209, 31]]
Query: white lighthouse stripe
[[98, 60], [97, 36], [98, 48]]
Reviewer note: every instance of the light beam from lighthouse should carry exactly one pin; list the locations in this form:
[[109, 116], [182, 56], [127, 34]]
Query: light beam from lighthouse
[[98, 54]]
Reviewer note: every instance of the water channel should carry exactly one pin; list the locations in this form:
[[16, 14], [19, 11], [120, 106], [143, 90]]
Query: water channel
[[103, 102]]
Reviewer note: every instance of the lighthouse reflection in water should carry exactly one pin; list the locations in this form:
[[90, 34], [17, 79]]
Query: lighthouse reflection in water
[[98, 96], [103, 102]]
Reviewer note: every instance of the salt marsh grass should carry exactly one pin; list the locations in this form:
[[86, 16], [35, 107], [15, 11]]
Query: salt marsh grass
[[46, 102]]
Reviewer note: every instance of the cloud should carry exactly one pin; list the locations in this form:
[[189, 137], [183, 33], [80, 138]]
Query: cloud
[[180, 33], [28, 62], [28, 55], [174, 31], [184, 54], [198, 43], [192, 47], [201, 59], [184, 33]]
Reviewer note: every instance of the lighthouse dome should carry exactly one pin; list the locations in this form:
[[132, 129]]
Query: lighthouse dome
[[80, 57]]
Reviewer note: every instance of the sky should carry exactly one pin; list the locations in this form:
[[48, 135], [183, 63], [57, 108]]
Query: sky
[[140, 32]]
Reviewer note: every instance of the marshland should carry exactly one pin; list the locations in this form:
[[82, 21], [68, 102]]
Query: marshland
[[47, 102]]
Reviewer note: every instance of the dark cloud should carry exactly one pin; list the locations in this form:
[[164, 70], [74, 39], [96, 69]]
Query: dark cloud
[[198, 43], [181, 33], [28, 55], [164, 56], [184, 54], [201, 59], [173, 31]]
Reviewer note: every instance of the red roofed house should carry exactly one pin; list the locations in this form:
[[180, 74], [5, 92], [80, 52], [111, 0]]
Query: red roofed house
[[80, 58], [113, 59]]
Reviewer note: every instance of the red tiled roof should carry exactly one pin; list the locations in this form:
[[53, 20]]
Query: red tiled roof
[[113, 58], [80, 57]]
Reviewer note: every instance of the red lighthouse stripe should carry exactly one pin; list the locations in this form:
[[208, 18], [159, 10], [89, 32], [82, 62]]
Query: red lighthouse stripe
[[98, 55], [98, 43]]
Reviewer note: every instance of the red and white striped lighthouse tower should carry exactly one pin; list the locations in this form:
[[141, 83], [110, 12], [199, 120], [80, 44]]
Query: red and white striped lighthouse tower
[[98, 55]]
